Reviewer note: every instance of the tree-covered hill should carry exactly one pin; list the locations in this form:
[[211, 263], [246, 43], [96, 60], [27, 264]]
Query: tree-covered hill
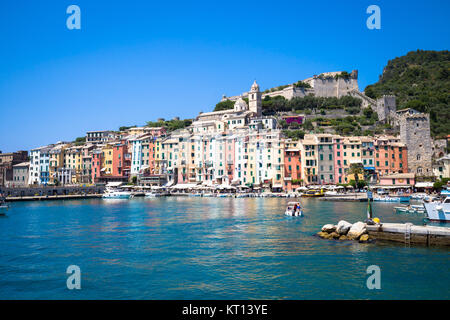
[[419, 80]]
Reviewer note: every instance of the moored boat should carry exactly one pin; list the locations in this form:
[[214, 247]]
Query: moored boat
[[438, 210], [111, 193], [313, 193], [3, 207]]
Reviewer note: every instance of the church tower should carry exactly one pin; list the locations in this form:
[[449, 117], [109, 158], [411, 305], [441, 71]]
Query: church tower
[[254, 99]]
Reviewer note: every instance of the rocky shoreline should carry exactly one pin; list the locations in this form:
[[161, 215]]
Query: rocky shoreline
[[345, 231]]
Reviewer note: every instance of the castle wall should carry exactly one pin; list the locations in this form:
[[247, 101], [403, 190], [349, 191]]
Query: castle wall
[[385, 108], [331, 87]]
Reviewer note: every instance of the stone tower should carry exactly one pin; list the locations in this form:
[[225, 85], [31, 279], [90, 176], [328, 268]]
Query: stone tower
[[254, 99], [415, 133], [385, 108]]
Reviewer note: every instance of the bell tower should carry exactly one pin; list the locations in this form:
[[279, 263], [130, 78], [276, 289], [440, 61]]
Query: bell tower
[[254, 99]]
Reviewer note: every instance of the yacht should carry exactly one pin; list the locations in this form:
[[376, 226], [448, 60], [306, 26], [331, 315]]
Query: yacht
[[111, 193], [438, 210]]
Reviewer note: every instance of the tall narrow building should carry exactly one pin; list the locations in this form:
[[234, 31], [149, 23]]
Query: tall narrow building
[[415, 133], [254, 99]]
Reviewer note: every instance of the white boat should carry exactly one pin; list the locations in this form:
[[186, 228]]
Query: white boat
[[111, 193], [294, 209], [3, 208], [155, 194], [438, 210], [410, 209], [386, 199]]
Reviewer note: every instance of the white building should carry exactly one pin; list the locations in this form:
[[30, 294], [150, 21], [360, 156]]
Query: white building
[[39, 165]]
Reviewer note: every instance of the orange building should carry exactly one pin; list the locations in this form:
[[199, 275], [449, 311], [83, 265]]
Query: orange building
[[119, 152], [390, 157], [292, 169]]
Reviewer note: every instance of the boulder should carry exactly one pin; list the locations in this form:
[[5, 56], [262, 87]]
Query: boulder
[[329, 228], [343, 227], [325, 235], [357, 230], [343, 237], [334, 235], [364, 238], [322, 234]]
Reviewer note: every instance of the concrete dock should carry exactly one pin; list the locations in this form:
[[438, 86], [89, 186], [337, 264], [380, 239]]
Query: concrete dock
[[410, 234], [53, 197], [358, 197]]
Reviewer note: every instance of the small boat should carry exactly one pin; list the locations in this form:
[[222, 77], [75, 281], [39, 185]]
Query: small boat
[[294, 209], [313, 193], [152, 195], [410, 209], [116, 194], [209, 195], [387, 199], [438, 210], [3, 207]]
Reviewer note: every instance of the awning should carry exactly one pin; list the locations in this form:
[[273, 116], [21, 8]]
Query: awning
[[114, 184], [184, 186], [424, 185], [277, 186]]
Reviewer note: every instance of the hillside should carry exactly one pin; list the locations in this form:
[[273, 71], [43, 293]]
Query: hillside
[[419, 80]]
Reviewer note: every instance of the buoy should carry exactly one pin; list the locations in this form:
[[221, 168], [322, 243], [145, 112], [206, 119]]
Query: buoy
[[376, 220]]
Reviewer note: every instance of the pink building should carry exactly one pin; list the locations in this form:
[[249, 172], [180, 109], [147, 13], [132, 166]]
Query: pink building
[[96, 165], [397, 179], [296, 119], [338, 160], [229, 158]]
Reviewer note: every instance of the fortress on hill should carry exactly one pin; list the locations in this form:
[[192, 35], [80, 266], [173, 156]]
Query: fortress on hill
[[414, 126]]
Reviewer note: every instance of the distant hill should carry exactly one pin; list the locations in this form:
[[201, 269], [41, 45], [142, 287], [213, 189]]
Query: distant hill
[[419, 80]]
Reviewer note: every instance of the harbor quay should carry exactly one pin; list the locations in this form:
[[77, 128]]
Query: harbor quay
[[51, 193]]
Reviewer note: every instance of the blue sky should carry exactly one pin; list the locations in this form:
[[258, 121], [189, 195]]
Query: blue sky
[[134, 61]]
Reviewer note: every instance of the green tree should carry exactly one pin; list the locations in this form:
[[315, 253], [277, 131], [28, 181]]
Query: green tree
[[224, 105]]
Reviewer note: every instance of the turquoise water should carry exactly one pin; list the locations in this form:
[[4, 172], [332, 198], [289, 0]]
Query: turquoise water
[[206, 248]]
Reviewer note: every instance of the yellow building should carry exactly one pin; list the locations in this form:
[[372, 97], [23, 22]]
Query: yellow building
[[73, 159], [56, 161], [107, 160], [309, 159], [352, 154]]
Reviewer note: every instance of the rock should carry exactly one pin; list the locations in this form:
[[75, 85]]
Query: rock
[[334, 235], [329, 228], [364, 238], [325, 235], [343, 237], [322, 234], [343, 227], [357, 230]]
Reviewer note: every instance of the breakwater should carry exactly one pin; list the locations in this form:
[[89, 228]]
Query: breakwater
[[51, 193]]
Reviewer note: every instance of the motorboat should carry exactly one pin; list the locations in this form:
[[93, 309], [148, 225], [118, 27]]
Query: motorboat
[[313, 193], [294, 209], [410, 209], [387, 199], [438, 210], [152, 195], [3, 207], [111, 193]]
